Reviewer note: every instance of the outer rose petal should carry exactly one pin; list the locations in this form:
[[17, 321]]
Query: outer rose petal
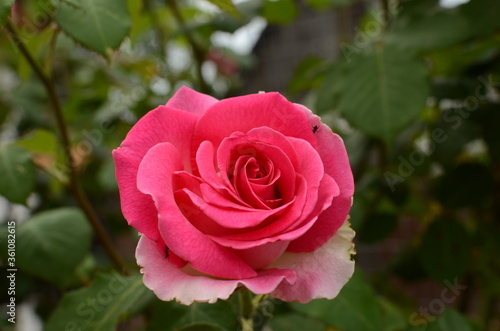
[[248, 112], [324, 227], [320, 274], [191, 101], [169, 282], [332, 150], [159, 125]]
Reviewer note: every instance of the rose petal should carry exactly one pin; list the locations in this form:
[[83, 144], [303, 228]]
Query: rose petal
[[252, 111], [261, 256], [236, 218], [324, 228], [160, 125], [154, 177], [171, 283], [332, 150], [191, 101], [278, 229], [320, 274]]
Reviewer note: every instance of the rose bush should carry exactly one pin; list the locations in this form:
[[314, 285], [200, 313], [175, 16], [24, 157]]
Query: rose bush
[[248, 191]]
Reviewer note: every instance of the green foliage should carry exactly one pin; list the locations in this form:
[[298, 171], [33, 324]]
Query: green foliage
[[100, 25], [279, 11], [5, 10], [18, 173], [355, 308], [227, 6], [382, 90], [445, 251], [52, 244], [99, 306], [293, 322], [170, 316]]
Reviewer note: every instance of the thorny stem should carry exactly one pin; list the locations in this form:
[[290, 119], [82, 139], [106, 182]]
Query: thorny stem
[[74, 182], [198, 52]]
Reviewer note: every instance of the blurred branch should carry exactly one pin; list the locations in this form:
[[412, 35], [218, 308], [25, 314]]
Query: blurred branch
[[386, 12], [74, 183], [198, 51]]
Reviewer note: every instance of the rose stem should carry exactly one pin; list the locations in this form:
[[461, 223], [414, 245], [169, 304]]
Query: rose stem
[[74, 183], [246, 309]]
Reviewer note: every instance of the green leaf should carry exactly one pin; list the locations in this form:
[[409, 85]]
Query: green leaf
[[355, 308], [169, 316], [5, 6], [18, 173], [327, 4], [295, 322], [431, 29], [52, 244], [487, 11], [227, 6], [279, 11], [383, 90], [445, 250], [449, 320], [40, 141], [99, 306], [201, 327], [308, 74], [100, 25]]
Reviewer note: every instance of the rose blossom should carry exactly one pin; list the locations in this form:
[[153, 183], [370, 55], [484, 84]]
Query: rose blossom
[[248, 191]]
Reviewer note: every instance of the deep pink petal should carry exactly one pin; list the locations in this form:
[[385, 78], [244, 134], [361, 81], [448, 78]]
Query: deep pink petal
[[159, 125], [311, 168], [205, 158], [171, 283], [252, 111], [333, 153], [236, 218], [286, 228], [233, 147], [320, 274], [261, 256], [328, 222], [191, 101], [155, 178]]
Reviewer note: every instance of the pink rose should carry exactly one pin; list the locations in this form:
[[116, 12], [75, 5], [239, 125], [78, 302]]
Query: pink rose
[[248, 191]]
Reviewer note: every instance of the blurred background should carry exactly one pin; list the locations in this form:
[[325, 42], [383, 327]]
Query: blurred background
[[411, 86]]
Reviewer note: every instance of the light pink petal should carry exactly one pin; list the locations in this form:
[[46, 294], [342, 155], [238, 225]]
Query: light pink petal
[[320, 274], [252, 111], [328, 222], [155, 178], [191, 101], [171, 283], [157, 126], [333, 153]]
